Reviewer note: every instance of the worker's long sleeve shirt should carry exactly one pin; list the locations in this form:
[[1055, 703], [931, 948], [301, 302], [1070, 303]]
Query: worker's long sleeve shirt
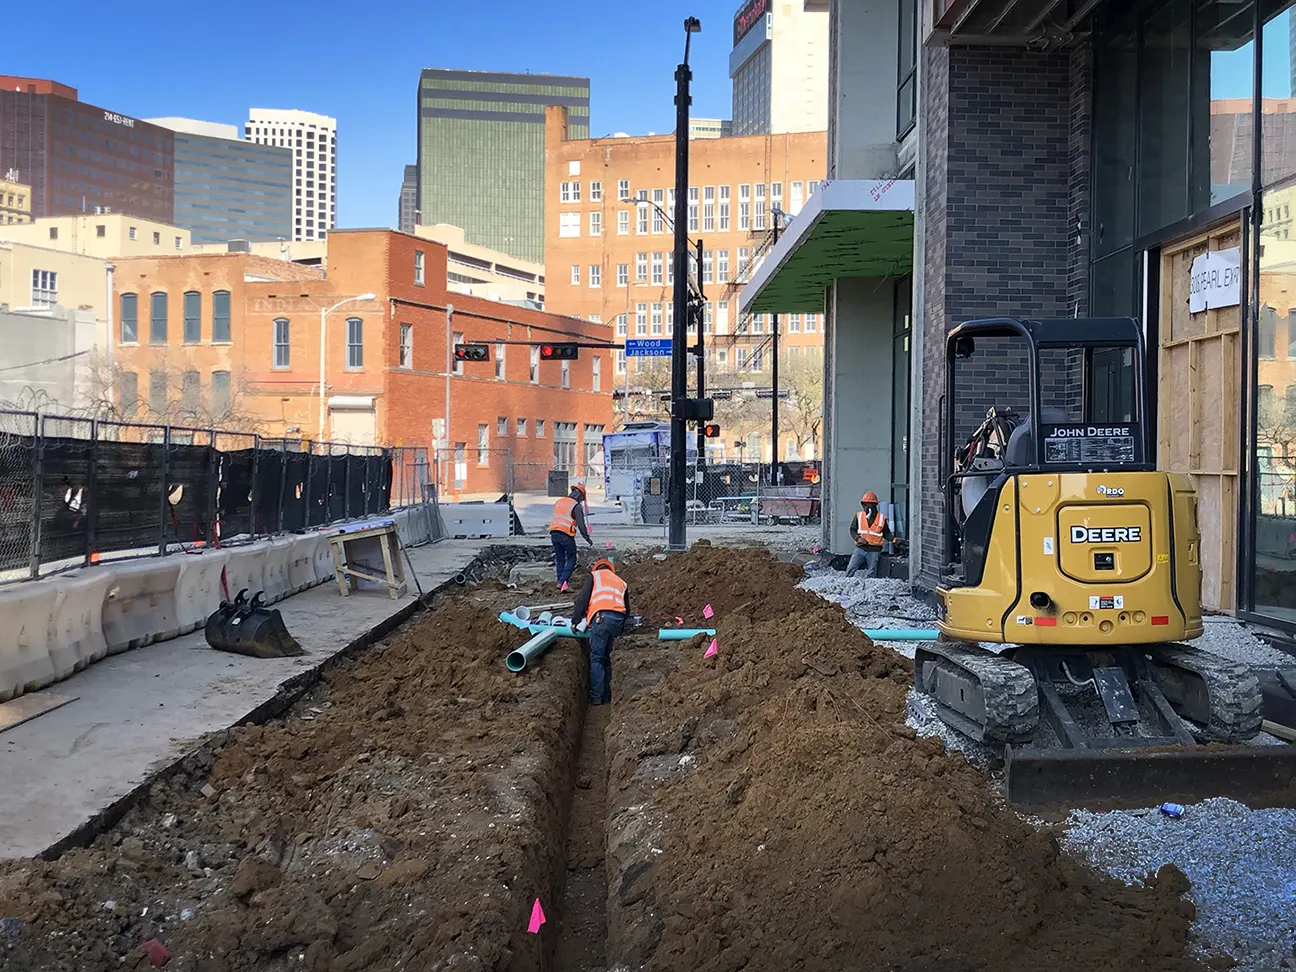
[[578, 515], [855, 537], [583, 599]]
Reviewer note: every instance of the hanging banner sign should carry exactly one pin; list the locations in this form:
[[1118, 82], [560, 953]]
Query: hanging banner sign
[[1216, 280]]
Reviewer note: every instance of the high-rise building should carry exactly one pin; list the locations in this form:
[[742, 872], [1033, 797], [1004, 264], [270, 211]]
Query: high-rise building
[[710, 128], [481, 152], [779, 68], [408, 209], [313, 139], [229, 189], [79, 158]]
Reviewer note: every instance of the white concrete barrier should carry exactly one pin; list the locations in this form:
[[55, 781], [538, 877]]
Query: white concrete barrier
[[301, 562], [324, 570], [76, 628], [140, 604], [25, 615], [477, 519], [245, 569], [198, 587], [275, 581]]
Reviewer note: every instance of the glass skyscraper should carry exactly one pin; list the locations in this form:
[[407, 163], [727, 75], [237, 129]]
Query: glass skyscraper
[[229, 189], [481, 152]]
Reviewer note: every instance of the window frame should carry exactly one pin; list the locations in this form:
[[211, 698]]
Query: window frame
[[354, 347], [185, 336], [133, 319], [405, 347], [276, 363]]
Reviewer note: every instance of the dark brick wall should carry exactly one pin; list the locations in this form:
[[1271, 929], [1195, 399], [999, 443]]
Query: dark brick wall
[[1007, 175]]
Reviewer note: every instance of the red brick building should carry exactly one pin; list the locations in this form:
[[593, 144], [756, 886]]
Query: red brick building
[[234, 339]]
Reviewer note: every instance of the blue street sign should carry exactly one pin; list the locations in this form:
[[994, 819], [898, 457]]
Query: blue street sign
[[648, 348]]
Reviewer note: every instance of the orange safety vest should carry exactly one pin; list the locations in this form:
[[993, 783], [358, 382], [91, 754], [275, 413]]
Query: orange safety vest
[[563, 521], [608, 594], [870, 533]]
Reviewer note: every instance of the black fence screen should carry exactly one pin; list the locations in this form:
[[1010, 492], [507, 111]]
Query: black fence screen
[[75, 490]]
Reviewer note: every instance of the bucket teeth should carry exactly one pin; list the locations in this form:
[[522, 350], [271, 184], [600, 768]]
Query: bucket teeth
[[251, 629]]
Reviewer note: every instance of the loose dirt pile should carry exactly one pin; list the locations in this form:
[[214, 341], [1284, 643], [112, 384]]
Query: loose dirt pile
[[405, 816], [788, 819]]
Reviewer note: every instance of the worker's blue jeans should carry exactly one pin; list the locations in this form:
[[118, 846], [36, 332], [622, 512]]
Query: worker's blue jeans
[[603, 631], [868, 559], [564, 554]]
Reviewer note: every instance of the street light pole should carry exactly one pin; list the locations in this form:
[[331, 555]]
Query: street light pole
[[324, 313], [776, 213], [679, 342]]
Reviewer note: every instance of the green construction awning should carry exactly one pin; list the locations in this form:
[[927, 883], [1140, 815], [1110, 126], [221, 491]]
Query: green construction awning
[[852, 228]]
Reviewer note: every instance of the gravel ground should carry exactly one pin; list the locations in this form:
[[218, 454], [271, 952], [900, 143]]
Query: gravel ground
[[1231, 638], [1241, 862]]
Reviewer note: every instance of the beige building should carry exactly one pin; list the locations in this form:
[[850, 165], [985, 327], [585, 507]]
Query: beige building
[[479, 271], [15, 200], [105, 235], [53, 318]]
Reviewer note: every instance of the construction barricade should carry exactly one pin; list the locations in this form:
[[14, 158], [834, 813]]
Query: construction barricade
[[25, 663], [140, 606]]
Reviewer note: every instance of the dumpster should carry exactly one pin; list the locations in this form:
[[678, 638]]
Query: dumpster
[[558, 482]]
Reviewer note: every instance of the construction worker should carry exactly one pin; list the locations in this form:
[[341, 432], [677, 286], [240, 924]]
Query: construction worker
[[870, 530], [568, 517], [603, 605]]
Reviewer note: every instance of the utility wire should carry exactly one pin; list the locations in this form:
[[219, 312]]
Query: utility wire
[[35, 364]]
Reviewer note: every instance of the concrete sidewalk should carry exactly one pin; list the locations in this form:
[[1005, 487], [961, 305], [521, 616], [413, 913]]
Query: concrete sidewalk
[[142, 709]]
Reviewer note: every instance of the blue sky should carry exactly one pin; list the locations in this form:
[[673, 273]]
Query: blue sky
[[360, 62]]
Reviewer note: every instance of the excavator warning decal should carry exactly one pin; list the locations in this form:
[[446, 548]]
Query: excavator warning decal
[[1106, 603]]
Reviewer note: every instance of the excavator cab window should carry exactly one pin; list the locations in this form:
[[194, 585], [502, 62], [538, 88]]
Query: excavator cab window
[[1030, 395]]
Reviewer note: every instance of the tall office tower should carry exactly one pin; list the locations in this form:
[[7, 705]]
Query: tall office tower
[[779, 67], [481, 152], [408, 209], [313, 139]]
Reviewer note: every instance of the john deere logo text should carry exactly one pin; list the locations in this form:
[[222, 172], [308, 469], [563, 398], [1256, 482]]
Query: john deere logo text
[[1081, 534]]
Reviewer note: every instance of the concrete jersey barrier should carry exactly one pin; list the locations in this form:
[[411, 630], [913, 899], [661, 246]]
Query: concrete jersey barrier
[[140, 606], [25, 663]]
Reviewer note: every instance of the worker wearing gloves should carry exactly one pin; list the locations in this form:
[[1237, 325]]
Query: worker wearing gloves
[[870, 530], [603, 605], [568, 517]]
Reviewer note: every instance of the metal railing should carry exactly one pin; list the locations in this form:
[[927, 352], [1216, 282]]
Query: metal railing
[[74, 491]]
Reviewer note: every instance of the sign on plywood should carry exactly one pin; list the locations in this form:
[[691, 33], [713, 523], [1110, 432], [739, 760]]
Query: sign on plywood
[[1216, 280]]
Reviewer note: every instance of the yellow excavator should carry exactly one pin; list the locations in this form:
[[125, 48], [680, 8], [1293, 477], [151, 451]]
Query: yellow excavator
[[1074, 572]]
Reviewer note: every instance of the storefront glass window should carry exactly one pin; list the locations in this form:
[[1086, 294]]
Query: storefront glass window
[[1112, 282], [1115, 143], [1225, 42], [1164, 71], [1274, 496], [1278, 109]]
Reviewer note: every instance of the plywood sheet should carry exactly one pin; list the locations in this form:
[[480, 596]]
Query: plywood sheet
[[25, 708]]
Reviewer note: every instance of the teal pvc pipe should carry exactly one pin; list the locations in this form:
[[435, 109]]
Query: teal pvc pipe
[[902, 634], [517, 660], [565, 631], [682, 634]]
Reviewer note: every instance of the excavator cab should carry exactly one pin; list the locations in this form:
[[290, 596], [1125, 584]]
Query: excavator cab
[[1072, 564]]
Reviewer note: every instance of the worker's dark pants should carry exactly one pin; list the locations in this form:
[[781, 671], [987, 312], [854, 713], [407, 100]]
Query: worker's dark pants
[[866, 557], [603, 631], [564, 554]]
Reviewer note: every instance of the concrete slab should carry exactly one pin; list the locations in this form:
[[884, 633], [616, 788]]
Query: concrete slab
[[144, 708]]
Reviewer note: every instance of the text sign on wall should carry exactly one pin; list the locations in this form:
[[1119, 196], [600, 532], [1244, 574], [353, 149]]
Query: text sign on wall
[[1216, 280], [752, 13], [117, 119]]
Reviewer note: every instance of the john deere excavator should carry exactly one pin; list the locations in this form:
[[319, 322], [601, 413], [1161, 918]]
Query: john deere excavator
[[1074, 572]]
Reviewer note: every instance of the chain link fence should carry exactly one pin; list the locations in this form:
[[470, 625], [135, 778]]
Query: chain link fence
[[75, 491]]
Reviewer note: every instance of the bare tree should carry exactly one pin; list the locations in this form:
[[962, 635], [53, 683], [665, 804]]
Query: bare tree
[[170, 392], [805, 384]]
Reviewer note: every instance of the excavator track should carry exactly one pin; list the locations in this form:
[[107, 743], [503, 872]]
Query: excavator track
[[1219, 699], [985, 696]]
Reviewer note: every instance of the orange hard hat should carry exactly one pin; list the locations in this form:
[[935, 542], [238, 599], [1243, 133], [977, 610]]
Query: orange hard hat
[[869, 497], [603, 564], [580, 488]]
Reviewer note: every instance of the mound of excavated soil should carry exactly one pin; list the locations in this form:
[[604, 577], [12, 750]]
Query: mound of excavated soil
[[405, 816], [813, 831], [662, 590]]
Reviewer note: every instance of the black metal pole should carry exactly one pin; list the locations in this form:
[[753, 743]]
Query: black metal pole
[[679, 343], [774, 423], [700, 313]]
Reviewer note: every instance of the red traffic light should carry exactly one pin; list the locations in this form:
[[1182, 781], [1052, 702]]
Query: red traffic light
[[472, 352], [559, 352], [711, 431]]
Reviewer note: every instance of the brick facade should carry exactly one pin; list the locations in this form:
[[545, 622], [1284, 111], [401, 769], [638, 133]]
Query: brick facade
[[1006, 180], [278, 394]]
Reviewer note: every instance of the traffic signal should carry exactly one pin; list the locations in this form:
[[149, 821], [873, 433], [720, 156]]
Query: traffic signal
[[559, 352], [711, 431], [472, 352]]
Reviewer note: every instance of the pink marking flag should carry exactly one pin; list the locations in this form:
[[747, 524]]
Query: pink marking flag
[[537, 918], [708, 613], [679, 622], [712, 650]]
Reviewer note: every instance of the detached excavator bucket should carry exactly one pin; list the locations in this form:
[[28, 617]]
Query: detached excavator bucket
[[252, 629]]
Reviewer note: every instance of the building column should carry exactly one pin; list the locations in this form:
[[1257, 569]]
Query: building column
[[858, 400]]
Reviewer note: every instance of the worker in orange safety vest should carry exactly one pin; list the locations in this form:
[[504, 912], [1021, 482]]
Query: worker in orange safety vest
[[568, 518], [870, 530], [603, 605]]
